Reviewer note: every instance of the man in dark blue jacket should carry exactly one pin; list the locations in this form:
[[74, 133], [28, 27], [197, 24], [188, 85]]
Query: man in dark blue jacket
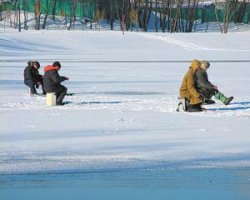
[[52, 82], [32, 78], [206, 88]]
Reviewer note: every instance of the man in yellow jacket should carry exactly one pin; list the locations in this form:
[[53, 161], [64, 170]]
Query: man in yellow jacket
[[192, 96]]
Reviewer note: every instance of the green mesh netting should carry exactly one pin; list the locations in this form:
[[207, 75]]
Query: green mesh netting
[[86, 8], [83, 8]]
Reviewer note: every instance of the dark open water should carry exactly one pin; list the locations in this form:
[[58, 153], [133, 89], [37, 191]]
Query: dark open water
[[188, 184]]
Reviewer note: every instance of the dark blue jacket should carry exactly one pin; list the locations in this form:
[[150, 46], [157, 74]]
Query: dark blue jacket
[[52, 80]]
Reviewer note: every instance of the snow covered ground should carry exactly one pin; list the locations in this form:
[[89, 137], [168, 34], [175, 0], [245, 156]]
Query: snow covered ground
[[123, 113]]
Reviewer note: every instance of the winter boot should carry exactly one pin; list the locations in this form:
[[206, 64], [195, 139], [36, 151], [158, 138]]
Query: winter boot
[[220, 96], [195, 108], [228, 100], [187, 104], [209, 101], [183, 103]]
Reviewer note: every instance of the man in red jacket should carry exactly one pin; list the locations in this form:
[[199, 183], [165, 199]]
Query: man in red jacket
[[52, 82]]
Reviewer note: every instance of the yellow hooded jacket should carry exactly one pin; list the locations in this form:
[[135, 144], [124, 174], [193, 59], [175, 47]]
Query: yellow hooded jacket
[[187, 89]]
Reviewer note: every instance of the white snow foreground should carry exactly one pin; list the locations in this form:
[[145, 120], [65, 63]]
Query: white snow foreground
[[123, 113]]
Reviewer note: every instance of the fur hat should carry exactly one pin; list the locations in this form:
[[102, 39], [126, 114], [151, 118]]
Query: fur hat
[[31, 63], [36, 63], [205, 64]]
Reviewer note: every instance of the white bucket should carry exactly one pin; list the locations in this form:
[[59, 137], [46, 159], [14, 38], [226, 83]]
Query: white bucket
[[29, 92], [51, 99]]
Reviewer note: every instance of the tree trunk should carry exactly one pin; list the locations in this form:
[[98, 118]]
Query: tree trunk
[[156, 23], [176, 25], [72, 13], [188, 16], [46, 14], [111, 15], [19, 16], [169, 14], [145, 16], [25, 13], [37, 14], [1, 10], [118, 13], [241, 10], [127, 11], [192, 16], [226, 16], [54, 10]]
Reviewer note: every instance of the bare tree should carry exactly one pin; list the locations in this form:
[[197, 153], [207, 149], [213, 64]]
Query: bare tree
[[156, 18], [25, 13], [123, 19], [145, 15], [133, 18], [241, 10], [47, 8], [127, 12], [176, 21], [226, 16], [1, 10], [230, 9], [147, 9], [54, 4], [72, 13], [169, 15], [111, 14], [19, 16], [37, 6], [192, 7], [118, 14], [7, 16]]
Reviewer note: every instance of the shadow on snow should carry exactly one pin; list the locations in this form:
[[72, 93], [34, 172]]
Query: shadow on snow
[[241, 106]]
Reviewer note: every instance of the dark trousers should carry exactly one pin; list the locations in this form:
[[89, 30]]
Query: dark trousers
[[31, 84], [60, 94], [208, 93]]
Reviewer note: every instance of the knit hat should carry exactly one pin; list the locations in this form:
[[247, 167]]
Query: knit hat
[[56, 63]]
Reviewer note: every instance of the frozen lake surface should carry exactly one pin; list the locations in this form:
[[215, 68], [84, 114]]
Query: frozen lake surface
[[120, 133]]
